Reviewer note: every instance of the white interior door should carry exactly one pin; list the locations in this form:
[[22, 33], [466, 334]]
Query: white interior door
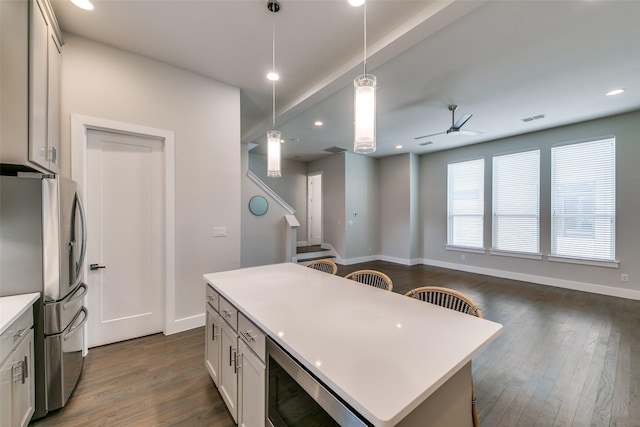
[[314, 209], [125, 219]]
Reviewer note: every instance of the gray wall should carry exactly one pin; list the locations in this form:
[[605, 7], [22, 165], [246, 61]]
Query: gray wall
[[291, 186], [398, 208], [333, 200], [414, 219], [362, 197], [263, 237], [108, 83], [433, 196]]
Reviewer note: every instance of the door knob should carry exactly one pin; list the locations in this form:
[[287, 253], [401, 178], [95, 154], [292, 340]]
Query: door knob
[[96, 266]]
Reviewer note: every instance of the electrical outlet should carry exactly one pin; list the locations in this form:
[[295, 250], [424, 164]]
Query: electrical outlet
[[624, 277], [219, 231], [463, 257]]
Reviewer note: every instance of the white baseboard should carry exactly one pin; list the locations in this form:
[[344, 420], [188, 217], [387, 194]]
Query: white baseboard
[[541, 280], [358, 260], [402, 261], [186, 323], [302, 243]]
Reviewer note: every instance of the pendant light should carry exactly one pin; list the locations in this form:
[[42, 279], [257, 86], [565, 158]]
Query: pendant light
[[364, 124], [273, 136]]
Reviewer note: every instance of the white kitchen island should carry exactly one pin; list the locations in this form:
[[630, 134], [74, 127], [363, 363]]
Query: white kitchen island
[[394, 359]]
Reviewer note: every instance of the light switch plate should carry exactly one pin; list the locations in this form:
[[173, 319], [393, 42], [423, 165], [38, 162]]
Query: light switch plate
[[219, 231]]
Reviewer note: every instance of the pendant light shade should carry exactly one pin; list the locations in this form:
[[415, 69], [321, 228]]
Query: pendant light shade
[[365, 114], [273, 154], [364, 123]]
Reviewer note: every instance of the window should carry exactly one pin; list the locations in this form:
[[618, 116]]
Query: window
[[465, 204], [583, 200], [516, 202]]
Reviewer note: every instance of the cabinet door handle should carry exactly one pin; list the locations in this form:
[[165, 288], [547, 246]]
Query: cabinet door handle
[[230, 355], [53, 155], [235, 361], [25, 371], [247, 336], [213, 331], [19, 371], [21, 333]]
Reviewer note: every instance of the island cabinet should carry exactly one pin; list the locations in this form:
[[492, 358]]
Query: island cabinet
[[251, 374], [212, 343], [228, 385], [30, 54], [343, 352], [17, 386], [235, 354]]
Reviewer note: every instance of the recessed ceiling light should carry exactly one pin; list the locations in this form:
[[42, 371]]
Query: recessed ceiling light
[[273, 76], [83, 4], [318, 123], [356, 3], [615, 92], [398, 147]]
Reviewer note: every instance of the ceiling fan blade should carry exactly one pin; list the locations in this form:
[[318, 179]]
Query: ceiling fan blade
[[468, 132], [427, 136], [462, 120]]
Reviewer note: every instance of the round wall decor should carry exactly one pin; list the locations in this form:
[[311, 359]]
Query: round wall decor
[[258, 205]]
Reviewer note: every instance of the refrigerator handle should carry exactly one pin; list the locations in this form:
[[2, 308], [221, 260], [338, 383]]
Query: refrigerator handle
[[83, 247], [75, 329], [77, 294]]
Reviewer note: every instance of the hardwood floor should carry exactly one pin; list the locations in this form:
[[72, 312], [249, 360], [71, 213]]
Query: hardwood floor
[[565, 358], [151, 381]]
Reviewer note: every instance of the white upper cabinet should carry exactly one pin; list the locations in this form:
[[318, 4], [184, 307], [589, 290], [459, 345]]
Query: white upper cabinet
[[30, 85]]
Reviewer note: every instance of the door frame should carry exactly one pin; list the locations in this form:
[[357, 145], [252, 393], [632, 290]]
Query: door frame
[[80, 125], [310, 176]]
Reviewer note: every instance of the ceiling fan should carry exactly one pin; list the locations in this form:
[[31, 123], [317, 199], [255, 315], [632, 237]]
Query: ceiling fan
[[456, 126]]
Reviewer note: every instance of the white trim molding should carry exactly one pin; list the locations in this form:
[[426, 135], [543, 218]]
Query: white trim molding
[[188, 323], [80, 125], [402, 261], [524, 255], [584, 261], [541, 280], [264, 187], [465, 249]]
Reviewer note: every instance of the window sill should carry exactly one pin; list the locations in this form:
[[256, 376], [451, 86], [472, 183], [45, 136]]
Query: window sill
[[466, 249], [524, 255], [584, 261]]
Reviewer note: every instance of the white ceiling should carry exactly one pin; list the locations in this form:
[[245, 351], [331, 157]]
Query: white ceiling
[[498, 60]]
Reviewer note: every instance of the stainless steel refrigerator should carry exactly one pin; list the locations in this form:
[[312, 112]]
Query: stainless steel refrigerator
[[42, 247]]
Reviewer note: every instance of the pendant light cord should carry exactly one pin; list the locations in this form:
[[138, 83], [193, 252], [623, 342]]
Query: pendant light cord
[[273, 88], [365, 37]]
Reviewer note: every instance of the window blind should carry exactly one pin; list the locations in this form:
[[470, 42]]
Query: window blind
[[583, 200], [465, 203], [516, 202]]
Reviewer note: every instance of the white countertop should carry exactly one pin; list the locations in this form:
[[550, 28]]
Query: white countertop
[[12, 307], [380, 351]]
